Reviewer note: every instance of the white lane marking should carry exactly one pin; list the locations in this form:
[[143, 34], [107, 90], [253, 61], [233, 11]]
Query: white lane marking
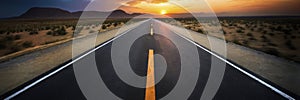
[[63, 67], [151, 29], [236, 67]]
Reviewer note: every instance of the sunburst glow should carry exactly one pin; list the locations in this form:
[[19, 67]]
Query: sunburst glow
[[163, 12]]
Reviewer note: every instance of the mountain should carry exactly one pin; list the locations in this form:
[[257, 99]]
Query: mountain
[[37, 12], [52, 13]]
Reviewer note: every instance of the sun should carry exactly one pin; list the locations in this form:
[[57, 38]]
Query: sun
[[163, 12]]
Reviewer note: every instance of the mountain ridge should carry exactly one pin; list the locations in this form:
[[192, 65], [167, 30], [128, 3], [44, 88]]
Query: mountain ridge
[[52, 13]]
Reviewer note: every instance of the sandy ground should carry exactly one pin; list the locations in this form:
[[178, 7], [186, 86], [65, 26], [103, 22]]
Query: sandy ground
[[36, 39], [21, 69], [272, 36], [280, 71]]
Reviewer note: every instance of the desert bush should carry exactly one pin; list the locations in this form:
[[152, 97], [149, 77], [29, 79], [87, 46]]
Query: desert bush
[[2, 46], [2, 32], [41, 28], [21, 30], [15, 48], [271, 34], [252, 38], [286, 31], [103, 27], [272, 28], [247, 25], [200, 31], [61, 31], [242, 28], [279, 28], [17, 37], [245, 43], [286, 37], [260, 29], [33, 32], [115, 24], [239, 31], [249, 34], [9, 38], [47, 27], [266, 40], [13, 31], [263, 37], [27, 44], [271, 44], [188, 27], [73, 27], [49, 33], [108, 25], [265, 32], [294, 27], [236, 41], [271, 51], [289, 44]]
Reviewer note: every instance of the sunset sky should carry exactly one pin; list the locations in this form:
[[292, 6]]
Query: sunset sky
[[221, 7]]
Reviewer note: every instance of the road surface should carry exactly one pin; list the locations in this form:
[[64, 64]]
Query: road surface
[[63, 85]]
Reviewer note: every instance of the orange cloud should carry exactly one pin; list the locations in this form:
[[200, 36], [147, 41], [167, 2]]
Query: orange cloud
[[158, 1], [135, 2], [221, 7], [130, 9], [256, 7], [150, 6]]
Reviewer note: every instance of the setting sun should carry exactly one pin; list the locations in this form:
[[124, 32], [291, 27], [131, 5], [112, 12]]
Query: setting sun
[[163, 12]]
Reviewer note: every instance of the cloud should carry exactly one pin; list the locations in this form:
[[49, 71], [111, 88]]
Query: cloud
[[130, 9], [135, 2], [158, 1]]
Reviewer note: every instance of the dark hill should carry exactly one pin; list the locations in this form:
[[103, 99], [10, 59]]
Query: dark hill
[[52, 13], [38, 12]]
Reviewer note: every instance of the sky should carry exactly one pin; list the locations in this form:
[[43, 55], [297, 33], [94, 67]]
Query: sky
[[11, 8]]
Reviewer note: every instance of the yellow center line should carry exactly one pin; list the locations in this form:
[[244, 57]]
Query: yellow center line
[[150, 84]]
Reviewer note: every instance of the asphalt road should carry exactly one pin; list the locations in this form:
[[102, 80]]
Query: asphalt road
[[165, 43]]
